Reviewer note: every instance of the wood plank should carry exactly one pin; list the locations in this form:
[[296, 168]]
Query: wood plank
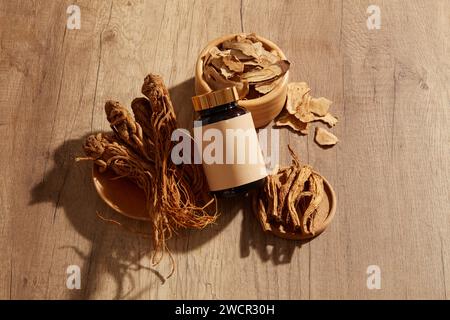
[[385, 93]]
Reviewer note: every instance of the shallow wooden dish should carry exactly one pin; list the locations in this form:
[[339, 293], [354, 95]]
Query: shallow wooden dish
[[326, 208], [264, 109], [122, 195]]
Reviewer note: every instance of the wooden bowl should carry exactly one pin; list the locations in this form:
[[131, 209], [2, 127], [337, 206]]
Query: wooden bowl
[[122, 195], [263, 109], [327, 208]]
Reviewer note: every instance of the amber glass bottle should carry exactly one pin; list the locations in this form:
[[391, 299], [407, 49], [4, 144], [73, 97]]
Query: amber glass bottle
[[234, 164]]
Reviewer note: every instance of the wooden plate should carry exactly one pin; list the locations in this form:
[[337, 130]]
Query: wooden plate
[[327, 208], [121, 194]]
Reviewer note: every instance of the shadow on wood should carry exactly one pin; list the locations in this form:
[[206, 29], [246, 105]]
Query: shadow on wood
[[181, 95], [69, 186], [268, 247]]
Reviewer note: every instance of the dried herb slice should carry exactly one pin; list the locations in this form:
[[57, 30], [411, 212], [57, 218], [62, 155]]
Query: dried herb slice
[[320, 106], [329, 119], [267, 86], [295, 93], [248, 48], [243, 61], [218, 82], [273, 71], [325, 138], [233, 63], [286, 119]]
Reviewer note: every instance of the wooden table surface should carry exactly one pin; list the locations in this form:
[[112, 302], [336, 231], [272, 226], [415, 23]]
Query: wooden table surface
[[390, 170]]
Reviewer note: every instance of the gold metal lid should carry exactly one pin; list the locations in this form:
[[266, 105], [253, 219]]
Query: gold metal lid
[[215, 98]]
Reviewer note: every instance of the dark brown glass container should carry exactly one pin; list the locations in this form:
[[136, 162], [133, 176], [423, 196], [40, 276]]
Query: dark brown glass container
[[219, 106]]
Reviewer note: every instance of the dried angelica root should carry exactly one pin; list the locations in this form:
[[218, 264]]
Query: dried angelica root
[[270, 189], [259, 207], [176, 201], [317, 190], [290, 199], [107, 151], [142, 110], [286, 179], [123, 124], [139, 149], [297, 187], [142, 113]]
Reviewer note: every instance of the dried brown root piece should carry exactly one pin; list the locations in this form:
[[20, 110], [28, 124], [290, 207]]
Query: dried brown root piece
[[285, 180], [317, 193], [297, 187], [143, 112], [244, 62], [107, 151], [123, 124], [325, 138], [290, 199], [270, 190], [176, 202]]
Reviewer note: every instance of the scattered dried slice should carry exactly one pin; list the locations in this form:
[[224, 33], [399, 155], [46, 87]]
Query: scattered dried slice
[[320, 106], [295, 93], [286, 119], [325, 138], [304, 109], [328, 119]]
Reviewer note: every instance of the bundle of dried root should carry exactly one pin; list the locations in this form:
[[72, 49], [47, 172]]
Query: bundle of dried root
[[301, 109], [290, 200], [246, 63], [139, 149]]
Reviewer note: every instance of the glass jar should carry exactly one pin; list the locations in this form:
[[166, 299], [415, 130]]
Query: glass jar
[[228, 145]]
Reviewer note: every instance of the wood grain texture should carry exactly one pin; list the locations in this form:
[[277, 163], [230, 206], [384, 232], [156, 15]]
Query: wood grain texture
[[390, 169]]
